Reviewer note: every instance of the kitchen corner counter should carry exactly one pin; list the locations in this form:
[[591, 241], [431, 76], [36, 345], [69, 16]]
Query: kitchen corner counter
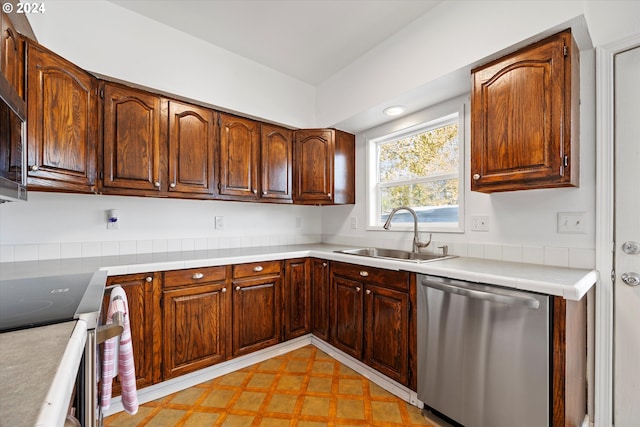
[[569, 283], [36, 376]]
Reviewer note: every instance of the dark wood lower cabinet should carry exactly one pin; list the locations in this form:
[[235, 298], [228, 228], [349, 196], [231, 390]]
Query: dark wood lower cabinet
[[256, 306], [320, 298], [297, 299], [140, 289], [371, 318], [195, 328]]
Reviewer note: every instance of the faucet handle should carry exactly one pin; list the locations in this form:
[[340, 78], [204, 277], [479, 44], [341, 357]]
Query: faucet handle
[[445, 250]]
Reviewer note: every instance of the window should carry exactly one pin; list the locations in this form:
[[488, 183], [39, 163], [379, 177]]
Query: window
[[419, 167]]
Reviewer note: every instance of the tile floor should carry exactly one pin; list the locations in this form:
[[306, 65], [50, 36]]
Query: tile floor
[[304, 388]]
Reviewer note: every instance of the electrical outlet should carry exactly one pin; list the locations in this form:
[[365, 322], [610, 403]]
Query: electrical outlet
[[219, 223], [354, 222], [572, 223], [480, 223]]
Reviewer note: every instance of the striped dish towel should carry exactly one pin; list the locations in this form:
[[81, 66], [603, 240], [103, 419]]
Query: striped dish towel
[[118, 359]]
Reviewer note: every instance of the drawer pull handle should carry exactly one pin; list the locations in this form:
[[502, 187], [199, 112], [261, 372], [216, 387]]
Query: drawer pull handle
[[324, 264], [224, 290], [149, 279], [237, 288], [368, 291], [357, 288], [364, 273], [197, 276], [257, 268], [476, 176], [156, 184]]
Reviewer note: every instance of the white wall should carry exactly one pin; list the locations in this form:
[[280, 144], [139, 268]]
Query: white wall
[[54, 225], [104, 38]]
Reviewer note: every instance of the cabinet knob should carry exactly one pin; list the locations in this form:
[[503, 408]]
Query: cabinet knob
[[364, 273], [172, 185], [148, 279], [255, 191], [197, 276], [223, 290], [34, 168], [237, 288], [357, 288], [476, 176], [156, 184], [324, 264], [257, 268], [328, 194], [368, 291], [264, 193]]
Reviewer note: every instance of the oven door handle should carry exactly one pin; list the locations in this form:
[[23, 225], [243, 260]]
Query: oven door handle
[[111, 330]]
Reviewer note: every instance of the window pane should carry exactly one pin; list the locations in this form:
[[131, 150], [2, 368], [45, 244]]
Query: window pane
[[427, 153], [434, 201]]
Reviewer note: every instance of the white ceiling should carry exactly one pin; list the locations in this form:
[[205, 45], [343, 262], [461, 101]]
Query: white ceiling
[[309, 40]]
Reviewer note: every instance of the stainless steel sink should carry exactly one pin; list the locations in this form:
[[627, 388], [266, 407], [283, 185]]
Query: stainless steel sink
[[396, 254]]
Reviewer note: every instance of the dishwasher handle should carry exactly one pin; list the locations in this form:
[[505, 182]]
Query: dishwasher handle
[[482, 295]]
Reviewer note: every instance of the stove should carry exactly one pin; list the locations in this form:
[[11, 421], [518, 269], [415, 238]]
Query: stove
[[38, 301]]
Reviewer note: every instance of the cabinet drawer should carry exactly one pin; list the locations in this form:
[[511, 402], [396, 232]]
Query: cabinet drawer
[[194, 276], [389, 278], [256, 269]]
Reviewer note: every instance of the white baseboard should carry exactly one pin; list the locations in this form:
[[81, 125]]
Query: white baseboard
[[168, 387]]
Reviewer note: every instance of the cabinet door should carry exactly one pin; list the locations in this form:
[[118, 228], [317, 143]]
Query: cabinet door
[[192, 133], [11, 60], [313, 152], [256, 314], [139, 289], [195, 328], [387, 332], [521, 119], [320, 299], [239, 152], [132, 148], [297, 315], [276, 158], [346, 316], [62, 123]]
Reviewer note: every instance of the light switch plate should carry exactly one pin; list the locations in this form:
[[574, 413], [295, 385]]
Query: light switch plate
[[572, 223], [219, 223], [479, 223]]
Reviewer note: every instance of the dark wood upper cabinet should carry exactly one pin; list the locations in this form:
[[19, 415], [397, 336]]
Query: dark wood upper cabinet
[[131, 147], [324, 167], [524, 118], [62, 123], [276, 156], [12, 54], [239, 154], [192, 133]]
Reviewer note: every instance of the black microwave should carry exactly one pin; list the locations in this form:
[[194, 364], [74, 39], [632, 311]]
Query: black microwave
[[12, 147]]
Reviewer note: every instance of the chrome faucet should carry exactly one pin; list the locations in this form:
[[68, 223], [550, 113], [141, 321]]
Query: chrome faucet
[[417, 243]]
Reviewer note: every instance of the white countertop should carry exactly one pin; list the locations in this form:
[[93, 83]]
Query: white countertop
[[569, 283]]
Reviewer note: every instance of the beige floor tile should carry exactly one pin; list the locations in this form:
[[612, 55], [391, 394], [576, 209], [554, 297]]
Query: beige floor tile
[[290, 382], [319, 385], [233, 379], [201, 419], [188, 396], [350, 408], [250, 401], [238, 421], [303, 353], [167, 418], [284, 403], [318, 406], [218, 398], [297, 366], [322, 367], [349, 386], [275, 422], [376, 391], [263, 381], [272, 365], [386, 412]]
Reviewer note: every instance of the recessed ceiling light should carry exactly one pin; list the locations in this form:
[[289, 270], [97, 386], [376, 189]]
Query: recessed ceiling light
[[394, 110]]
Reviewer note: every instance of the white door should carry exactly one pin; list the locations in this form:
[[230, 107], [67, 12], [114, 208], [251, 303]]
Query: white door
[[626, 364]]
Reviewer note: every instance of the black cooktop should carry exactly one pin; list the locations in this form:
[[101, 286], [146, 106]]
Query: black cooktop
[[38, 301]]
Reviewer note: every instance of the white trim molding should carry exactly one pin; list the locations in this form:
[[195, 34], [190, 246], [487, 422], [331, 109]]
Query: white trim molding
[[603, 398]]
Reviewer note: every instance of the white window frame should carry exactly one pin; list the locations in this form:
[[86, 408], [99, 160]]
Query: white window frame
[[423, 121]]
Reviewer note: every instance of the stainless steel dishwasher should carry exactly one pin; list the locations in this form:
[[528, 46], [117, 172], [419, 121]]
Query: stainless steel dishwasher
[[483, 353]]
